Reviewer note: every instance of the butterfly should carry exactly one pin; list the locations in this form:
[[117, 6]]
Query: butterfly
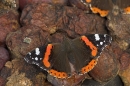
[[81, 53], [105, 7]]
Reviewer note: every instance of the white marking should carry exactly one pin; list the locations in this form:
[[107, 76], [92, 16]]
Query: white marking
[[42, 68], [45, 69], [83, 2], [101, 43], [29, 53], [102, 49], [40, 58], [37, 64], [110, 40], [33, 62], [26, 59], [80, 74], [36, 58], [37, 51], [105, 45], [105, 35], [97, 37], [97, 45]]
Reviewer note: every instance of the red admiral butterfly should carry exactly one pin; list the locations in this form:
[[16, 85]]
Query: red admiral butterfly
[[103, 7], [82, 53]]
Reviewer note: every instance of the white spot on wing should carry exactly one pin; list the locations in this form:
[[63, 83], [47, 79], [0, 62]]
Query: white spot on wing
[[37, 51], [97, 37], [36, 58], [26, 59], [29, 53], [105, 35], [110, 40], [101, 43], [42, 68]]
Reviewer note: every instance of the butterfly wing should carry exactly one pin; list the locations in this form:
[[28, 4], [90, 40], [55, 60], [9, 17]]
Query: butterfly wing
[[52, 58], [80, 55], [36, 56], [124, 5], [83, 50], [101, 6], [100, 41], [59, 59]]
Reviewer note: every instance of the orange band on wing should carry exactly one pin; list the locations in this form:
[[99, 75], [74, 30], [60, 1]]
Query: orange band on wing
[[127, 10], [102, 13], [88, 43], [57, 74], [46, 56], [89, 67], [88, 1]]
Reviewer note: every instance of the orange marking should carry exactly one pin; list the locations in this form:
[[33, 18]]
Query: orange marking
[[46, 56], [92, 47], [89, 67], [88, 1], [57, 74], [127, 10], [102, 13]]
